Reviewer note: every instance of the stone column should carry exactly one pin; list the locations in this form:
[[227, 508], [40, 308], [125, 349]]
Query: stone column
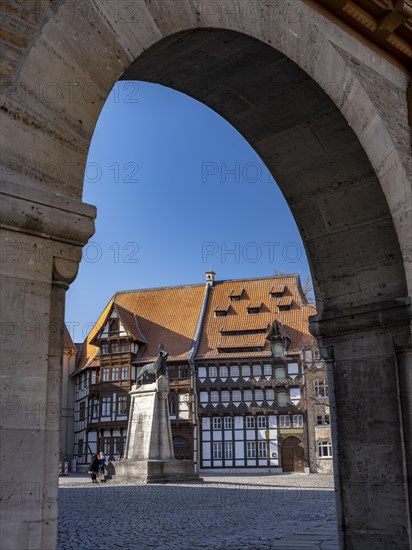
[[40, 247], [370, 456], [404, 361]]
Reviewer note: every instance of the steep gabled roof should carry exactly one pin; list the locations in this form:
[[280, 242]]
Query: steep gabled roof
[[167, 315], [130, 322], [174, 316]]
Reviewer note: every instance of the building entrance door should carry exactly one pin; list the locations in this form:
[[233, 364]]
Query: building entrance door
[[292, 455]]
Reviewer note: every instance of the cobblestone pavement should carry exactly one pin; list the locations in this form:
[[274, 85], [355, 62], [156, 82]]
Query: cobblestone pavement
[[293, 511]]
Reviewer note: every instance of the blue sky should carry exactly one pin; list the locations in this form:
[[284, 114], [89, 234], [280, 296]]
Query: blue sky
[[178, 190]]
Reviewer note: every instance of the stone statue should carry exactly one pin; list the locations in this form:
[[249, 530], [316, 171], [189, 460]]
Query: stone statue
[[149, 445], [157, 368]]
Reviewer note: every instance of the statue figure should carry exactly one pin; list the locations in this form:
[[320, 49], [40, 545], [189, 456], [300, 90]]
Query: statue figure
[[157, 368]]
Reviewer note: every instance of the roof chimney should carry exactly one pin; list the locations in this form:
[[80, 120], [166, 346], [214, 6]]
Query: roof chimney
[[210, 277]]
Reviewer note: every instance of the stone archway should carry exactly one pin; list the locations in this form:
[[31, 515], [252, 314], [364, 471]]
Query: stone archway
[[302, 92]]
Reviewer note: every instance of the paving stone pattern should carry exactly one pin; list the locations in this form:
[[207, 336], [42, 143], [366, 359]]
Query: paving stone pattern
[[223, 512]]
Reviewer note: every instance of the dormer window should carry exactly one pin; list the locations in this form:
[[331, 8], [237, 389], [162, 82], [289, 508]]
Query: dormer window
[[236, 295], [221, 311], [285, 304], [277, 291], [254, 308]]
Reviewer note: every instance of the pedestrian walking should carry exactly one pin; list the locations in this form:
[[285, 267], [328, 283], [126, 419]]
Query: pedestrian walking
[[102, 465], [94, 468]]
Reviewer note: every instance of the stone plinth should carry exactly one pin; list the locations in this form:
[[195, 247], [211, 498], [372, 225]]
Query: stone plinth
[[149, 447], [154, 471]]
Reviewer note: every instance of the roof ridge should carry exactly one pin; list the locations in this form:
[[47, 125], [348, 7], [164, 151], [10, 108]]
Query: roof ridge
[[266, 278], [157, 288], [191, 285]]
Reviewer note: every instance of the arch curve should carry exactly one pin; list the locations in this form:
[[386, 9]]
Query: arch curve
[[332, 147]]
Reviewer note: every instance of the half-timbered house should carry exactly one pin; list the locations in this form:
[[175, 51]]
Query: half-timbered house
[[238, 351], [251, 402], [127, 336]]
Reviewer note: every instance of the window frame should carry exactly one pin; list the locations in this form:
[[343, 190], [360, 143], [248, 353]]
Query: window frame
[[269, 392], [246, 368], [262, 449], [324, 448], [250, 422], [236, 396], [284, 421], [262, 422], [321, 389], [213, 394], [222, 370], [122, 400], [225, 396], [297, 420], [286, 401], [106, 406], [228, 446], [122, 371], [210, 375], [216, 423], [251, 449], [228, 422], [217, 450], [236, 369], [259, 394]]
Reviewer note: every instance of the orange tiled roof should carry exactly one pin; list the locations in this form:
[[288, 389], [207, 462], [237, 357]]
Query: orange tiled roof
[[284, 301], [218, 307], [232, 325], [170, 316], [254, 305], [130, 323], [279, 286], [245, 341], [166, 315], [256, 291]]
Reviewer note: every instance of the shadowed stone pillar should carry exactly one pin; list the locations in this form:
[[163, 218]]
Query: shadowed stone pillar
[[368, 427], [41, 238], [404, 358]]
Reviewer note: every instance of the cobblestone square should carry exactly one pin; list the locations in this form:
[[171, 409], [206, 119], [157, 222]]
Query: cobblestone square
[[222, 512]]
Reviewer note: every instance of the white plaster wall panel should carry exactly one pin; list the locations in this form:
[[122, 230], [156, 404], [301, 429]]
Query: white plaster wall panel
[[239, 449], [206, 451], [206, 423]]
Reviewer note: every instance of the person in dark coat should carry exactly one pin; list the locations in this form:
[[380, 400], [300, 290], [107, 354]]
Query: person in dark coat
[[94, 468], [102, 465]]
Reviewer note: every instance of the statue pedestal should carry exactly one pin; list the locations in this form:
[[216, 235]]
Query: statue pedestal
[[149, 446]]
